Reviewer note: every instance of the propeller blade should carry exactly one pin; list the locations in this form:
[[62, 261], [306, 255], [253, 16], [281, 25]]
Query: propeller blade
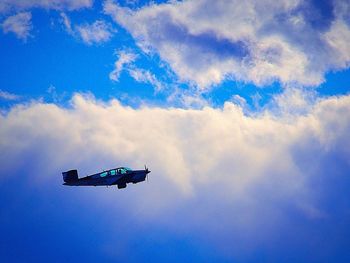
[[147, 172]]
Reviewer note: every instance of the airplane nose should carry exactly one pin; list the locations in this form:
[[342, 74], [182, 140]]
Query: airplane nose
[[146, 169]]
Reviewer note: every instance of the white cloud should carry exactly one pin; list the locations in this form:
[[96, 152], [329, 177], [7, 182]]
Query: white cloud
[[98, 32], [338, 37], [19, 24], [188, 99], [125, 62], [184, 146], [208, 166], [145, 76], [124, 58], [15, 5], [67, 23], [8, 96], [206, 42], [95, 33], [293, 102]]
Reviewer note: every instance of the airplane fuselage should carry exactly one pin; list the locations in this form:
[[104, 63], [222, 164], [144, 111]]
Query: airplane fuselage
[[118, 176]]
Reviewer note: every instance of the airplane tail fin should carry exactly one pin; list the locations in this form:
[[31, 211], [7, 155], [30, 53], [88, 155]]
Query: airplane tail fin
[[70, 176]]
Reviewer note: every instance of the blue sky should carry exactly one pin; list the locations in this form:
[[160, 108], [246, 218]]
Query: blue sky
[[240, 109]]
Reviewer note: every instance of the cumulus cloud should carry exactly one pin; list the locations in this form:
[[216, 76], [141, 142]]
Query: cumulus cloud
[[189, 148], [206, 42], [95, 33], [209, 165], [19, 24], [15, 5]]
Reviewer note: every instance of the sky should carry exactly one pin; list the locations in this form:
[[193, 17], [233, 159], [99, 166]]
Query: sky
[[241, 110]]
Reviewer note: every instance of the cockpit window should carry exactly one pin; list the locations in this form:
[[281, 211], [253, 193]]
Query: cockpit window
[[103, 174], [123, 170], [112, 172]]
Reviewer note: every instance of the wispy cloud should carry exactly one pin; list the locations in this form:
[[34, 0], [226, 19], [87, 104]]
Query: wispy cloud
[[125, 58], [187, 99], [145, 76], [19, 24], [8, 96], [16, 5], [67, 23], [95, 33], [125, 62]]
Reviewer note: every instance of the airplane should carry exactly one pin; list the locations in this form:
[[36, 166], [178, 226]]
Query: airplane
[[118, 176]]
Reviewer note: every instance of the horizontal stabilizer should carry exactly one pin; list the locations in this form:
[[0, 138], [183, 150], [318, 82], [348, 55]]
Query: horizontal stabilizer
[[70, 176]]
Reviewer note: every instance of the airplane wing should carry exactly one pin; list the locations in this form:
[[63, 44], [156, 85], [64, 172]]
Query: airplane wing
[[121, 179]]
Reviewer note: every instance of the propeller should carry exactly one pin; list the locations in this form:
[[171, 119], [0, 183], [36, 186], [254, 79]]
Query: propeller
[[147, 172]]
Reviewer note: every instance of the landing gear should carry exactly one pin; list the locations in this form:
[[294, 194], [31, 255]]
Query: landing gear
[[121, 186]]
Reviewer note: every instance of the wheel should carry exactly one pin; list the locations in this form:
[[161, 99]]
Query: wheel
[[121, 186]]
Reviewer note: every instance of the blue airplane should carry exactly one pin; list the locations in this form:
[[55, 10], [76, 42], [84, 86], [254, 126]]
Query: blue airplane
[[117, 176]]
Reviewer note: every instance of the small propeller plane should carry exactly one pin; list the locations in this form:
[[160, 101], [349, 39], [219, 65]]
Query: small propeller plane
[[117, 176]]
